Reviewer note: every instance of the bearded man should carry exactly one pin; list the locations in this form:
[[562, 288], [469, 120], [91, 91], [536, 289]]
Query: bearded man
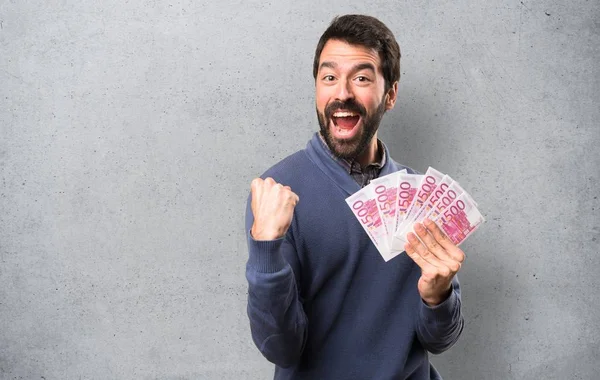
[[322, 303]]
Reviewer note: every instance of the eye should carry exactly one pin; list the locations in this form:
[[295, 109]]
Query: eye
[[362, 78], [328, 78]]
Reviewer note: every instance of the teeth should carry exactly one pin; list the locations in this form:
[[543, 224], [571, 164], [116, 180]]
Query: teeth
[[343, 114]]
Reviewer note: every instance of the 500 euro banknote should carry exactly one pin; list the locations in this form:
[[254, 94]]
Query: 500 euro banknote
[[386, 191], [460, 219], [364, 206], [452, 192], [427, 207], [408, 184], [428, 184], [430, 181]]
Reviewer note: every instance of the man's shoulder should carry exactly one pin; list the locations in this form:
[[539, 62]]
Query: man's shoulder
[[290, 168]]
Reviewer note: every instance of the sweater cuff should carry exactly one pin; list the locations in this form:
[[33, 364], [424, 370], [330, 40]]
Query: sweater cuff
[[443, 312], [265, 256]]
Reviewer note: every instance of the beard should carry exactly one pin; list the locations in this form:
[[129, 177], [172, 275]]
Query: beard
[[350, 148]]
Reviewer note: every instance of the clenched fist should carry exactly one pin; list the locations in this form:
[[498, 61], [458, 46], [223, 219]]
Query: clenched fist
[[273, 207]]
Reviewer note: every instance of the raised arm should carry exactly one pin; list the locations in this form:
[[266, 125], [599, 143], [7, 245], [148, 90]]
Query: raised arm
[[277, 319]]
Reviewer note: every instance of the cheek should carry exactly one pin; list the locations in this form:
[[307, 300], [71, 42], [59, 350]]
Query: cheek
[[321, 99], [370, 101]]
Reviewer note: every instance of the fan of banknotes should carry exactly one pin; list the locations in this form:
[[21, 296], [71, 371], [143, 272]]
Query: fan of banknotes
[[389, 207]]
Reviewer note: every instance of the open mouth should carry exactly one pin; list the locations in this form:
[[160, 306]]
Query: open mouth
[[345, 121]]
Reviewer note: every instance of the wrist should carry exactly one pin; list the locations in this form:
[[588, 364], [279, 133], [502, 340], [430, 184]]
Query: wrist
[[263, 235], [436, 300]]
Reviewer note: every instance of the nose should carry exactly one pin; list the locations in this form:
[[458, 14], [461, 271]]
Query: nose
[[344, 91]]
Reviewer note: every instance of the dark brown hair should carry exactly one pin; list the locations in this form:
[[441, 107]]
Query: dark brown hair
[[369, 32]]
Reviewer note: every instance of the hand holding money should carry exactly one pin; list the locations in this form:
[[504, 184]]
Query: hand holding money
[[273, 208], [391, 207], [439, 259]]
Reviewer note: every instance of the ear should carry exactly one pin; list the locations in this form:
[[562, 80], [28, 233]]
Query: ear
[[391, 96]]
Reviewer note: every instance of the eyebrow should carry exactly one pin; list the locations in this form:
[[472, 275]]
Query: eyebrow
[[365, 66], [331, 65], [359, 67]]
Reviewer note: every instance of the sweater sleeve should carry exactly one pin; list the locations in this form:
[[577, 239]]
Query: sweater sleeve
[[440, 326], [277, 320]]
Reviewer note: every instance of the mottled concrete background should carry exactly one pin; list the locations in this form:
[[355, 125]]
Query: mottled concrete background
[[130, 131]]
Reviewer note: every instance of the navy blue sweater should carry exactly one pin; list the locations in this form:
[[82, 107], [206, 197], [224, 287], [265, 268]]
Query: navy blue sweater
[[322, 302]]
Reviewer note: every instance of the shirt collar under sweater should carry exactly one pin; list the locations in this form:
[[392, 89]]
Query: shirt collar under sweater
[[321, 157], [360, 175]]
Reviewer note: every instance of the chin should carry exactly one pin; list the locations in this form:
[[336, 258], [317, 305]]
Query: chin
[[345, 148]]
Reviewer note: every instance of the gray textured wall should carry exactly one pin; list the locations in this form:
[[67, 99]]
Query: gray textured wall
[[130, 132]]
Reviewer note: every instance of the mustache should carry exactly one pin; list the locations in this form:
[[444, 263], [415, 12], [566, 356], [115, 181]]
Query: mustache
[[349, 105]]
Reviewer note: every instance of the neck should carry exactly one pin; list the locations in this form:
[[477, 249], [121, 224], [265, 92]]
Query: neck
[[371, 154]]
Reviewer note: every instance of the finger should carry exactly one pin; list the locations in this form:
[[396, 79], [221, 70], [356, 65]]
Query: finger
[[422, 250], [277, 188], [295, 196], [294, 199], [270, 182], [256, 182], [285, 194], [431, 266], [444, 241], [271, 190], [256, 189], [435, 248], [418, 259]]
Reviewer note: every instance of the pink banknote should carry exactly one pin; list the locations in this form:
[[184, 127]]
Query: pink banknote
[[453, 192], [460, 219], [435, 196], [389, 207], [364, 206], [386, 191], [430, 182], [408, 185]]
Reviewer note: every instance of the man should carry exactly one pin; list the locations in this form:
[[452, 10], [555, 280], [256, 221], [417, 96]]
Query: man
[[322, 303]]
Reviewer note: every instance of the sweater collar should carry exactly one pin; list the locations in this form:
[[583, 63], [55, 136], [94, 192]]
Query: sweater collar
[[353, 165], [321, 156]]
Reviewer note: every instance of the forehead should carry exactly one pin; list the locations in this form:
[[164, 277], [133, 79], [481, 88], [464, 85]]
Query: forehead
[[342, 53]]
